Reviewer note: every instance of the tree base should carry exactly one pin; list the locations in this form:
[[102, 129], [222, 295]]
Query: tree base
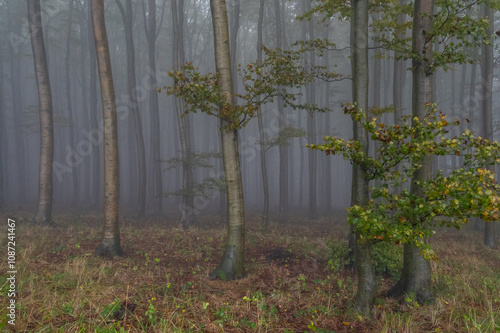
[[109, 247], [230, 268], [415, 280]]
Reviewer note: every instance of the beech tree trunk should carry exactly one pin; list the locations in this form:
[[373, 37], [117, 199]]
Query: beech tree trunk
[[487, 106], [311, 129], [187, 204], [110, 244], [127, 16], [71, 126], [263, 163], [367, 285], [283, 149], [44, 211], [416, 276], [232, 263], [156, 178], [96, 157]]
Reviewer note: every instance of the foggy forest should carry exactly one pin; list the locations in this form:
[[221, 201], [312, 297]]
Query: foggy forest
[[249, 165]]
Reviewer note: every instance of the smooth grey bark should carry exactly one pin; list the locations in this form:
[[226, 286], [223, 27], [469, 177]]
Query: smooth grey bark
[[155, 183], [487, 106], [84, 183], [416, 276], [127, 16], [94, 125], [69, 106], [328, 160], [110, 244], [187, 204], [44, 210], [367, 285], [232, 263], [235, 27], [263, 162], [283, 149], [311, 129]]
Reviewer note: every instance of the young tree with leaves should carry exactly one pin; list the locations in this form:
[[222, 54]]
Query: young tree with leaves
[[110, 244], [409, 217], [44, 210]]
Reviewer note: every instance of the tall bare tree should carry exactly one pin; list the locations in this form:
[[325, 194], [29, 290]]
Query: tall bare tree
[[127, 17], [232, 263], [263, 164], [110, 244], [44, 211], [152, 30]]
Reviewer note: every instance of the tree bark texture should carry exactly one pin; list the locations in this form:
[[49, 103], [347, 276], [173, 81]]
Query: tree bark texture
[[416, 276], [232, 263], [263, 164], [127, 16], [44, 210], [360, 184], [283, 149], [110, 244], [187, 205], [487, 107]]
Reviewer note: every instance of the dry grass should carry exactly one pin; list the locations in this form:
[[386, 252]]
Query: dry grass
[[162, 280]]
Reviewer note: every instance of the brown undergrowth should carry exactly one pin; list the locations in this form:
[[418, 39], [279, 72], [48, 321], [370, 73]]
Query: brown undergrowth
[[161, 284]]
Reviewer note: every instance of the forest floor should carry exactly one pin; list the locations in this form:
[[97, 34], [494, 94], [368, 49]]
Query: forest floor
[[295, 280]]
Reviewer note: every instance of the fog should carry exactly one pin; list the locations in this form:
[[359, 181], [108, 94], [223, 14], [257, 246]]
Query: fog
[[78, 161]]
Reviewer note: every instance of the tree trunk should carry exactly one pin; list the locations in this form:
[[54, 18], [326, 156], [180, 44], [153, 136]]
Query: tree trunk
[[110, 244], [44, 211], [311, 129], [94, 126], [71, 127], [156, 180], [416, 276], [127, 17], [232, 263], [283, 149], [263, 164], [187, 204], [487, 89], [367, 285]]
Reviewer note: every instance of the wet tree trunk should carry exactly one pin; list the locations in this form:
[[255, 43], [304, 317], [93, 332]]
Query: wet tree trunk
[[187, 204], [263, 162], [71, 126], [232, 263], [416, 276], [155, 183], [328, 160], [311, 130], [94, 130], [283, 149], [110, 244], [84, 183], [127, 16], [487, 90], [44, 210], [367, 285]]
